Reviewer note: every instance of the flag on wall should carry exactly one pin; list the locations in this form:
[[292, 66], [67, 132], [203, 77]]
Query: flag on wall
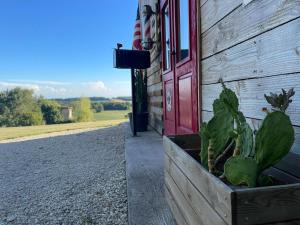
[[137, 37], [147, 27]]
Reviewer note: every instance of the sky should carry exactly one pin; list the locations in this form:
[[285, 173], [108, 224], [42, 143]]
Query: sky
[[63, 48]]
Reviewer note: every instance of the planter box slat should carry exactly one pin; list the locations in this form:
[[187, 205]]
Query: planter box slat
[[188, 213], [268, 204], [285, 223], [282, 176], [196, 191], [194, 197], [174, 208], [217, 194], [290, 164]]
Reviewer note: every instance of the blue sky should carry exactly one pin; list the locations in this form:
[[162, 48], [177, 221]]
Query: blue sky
[[63, 48]]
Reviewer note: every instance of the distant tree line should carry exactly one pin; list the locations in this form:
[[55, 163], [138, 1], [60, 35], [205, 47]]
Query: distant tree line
[[116, 105], [124, 98], [69, 101], [101, 106]]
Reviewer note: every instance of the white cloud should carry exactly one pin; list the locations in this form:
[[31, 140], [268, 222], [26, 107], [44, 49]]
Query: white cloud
[[8, 85], [96, 86], [54, 89]]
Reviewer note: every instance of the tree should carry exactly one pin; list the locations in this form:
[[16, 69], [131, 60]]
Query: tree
[[19, 107], [82, 110], [116, 105], [51, 111], [97, 106]]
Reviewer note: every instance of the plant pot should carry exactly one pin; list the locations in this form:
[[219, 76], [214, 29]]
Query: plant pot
[[141, 121], [196, 197]]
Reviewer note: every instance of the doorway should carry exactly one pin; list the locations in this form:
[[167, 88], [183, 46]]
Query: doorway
[[179, 65]]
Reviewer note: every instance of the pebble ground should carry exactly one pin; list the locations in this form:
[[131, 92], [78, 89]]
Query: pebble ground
[[65, 180]]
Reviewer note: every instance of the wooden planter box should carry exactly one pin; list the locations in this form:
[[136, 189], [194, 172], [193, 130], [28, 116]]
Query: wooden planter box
[[196, 197]]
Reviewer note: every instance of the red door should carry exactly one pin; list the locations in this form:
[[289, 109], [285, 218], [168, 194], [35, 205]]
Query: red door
[[179, 41]]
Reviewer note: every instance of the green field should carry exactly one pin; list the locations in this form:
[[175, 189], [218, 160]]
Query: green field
[[101, 120], [111, 115]]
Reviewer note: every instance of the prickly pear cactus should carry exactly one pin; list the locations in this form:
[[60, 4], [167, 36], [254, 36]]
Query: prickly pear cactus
[[274, 139], [229, 98], [204, 145], [245, 140], [280, 102], [239, 170], [243, 132], [215, 134]]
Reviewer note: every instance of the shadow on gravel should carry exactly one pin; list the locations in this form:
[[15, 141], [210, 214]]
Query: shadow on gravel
[[71, 179]]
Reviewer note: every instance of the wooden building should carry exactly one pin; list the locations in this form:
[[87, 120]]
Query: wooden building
[[253, 45], [67, 113]]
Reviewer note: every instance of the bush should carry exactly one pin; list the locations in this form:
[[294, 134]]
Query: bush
[[51, 111], [19, 107], [116, 105], [97, 107], [82, 110]]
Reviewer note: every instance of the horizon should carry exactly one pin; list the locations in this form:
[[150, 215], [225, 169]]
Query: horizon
[[63, 49]]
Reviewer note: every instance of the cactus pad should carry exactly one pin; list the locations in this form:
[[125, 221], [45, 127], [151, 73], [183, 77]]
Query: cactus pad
[[241, 171], [274, 139]]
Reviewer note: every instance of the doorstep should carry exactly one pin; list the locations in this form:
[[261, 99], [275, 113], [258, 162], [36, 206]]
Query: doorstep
[[145, 180]]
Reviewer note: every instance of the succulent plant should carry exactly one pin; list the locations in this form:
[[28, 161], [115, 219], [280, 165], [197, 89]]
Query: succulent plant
[[204, 135], [241, 171], [280, 102], [216, 134], [219, 132], [273, 140]]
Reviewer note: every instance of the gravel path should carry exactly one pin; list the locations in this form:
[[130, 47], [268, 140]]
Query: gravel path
[[65, 180]]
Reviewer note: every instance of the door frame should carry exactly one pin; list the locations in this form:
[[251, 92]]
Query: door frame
[[179, 70]]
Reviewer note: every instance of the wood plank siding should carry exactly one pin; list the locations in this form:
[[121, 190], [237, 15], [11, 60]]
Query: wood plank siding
[[154, 86], [255, 49]]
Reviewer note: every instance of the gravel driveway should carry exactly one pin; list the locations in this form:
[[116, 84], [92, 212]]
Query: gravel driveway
[[73, 179]]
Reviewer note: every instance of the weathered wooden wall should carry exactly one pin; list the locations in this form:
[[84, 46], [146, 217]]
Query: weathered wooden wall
[[255, 49], [154, 82]]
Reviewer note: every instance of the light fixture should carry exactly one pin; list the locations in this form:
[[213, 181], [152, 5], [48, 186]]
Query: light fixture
[[148, 43]]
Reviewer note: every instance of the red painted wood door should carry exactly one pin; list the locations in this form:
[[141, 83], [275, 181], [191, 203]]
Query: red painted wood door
[[180, 89]]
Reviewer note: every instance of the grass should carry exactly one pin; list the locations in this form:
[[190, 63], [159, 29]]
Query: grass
[[101, 120], [111, 115]]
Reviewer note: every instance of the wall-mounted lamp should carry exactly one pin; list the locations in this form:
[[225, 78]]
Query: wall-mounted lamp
[[148, 12], [148, 43]]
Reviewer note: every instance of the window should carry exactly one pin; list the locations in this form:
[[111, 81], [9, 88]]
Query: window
[[167, 38], [183, 30]]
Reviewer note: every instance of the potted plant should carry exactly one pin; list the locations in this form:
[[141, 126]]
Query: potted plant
[[221, 179], [141, 102]]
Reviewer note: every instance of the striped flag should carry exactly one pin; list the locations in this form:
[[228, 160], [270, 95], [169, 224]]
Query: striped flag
[[137, 37], [147, 28]]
